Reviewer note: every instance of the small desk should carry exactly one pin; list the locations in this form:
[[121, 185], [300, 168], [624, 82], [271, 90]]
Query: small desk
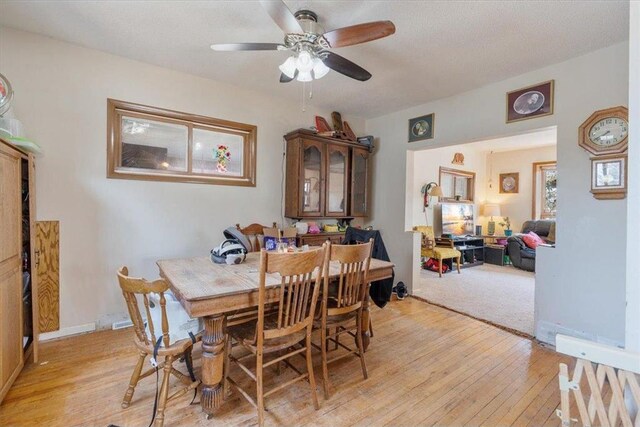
[[212, 291]]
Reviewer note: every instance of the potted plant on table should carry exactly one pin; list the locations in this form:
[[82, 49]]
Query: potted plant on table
[[506, 224]]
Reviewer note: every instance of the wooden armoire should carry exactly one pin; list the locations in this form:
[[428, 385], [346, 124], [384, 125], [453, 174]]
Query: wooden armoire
[[18, 287], [326, 177]]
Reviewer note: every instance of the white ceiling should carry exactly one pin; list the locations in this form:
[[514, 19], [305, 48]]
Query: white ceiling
[[440, 47]]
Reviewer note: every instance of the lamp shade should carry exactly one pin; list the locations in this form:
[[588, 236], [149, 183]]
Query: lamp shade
[[491, 209], [436, 191]]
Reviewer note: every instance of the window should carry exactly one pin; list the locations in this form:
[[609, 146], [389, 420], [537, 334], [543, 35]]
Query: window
[[545, 190], [457, 185], [162, 145]]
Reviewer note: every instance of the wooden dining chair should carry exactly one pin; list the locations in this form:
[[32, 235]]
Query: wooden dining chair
[[145, 340], [285, 333], [253, 233], [341, 308]]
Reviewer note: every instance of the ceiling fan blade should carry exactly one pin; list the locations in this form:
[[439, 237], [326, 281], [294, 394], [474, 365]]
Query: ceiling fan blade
[[247, 46], [346, 67], [282, 16], [286, 79], [360, 33]]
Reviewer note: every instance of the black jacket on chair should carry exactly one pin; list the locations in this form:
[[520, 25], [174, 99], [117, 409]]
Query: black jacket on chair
[[380, 291]]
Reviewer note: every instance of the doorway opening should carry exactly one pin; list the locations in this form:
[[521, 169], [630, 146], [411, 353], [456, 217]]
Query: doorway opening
[[491, 203]]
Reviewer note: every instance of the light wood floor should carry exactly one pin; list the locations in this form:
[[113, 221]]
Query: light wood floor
[[427, 366]]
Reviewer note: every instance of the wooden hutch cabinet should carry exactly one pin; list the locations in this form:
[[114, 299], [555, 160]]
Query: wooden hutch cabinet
[[326, 177], [18, 284]]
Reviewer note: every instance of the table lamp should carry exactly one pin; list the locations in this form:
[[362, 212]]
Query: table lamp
[[491, 210]]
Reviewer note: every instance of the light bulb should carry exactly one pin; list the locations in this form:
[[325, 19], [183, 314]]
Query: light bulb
[[304, 76], [304, 62], [288, 68], [319, 69]]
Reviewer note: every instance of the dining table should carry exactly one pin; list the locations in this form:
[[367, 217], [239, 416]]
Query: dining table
[[215, 291]]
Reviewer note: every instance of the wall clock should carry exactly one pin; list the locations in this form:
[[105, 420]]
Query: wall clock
[[605, 132]]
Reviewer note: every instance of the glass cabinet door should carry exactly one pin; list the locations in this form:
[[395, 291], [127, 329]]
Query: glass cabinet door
[[359, 180], [313, 179], [337, 180]]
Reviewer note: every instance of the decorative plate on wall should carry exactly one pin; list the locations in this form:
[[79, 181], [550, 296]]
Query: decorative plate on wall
[[421, 128], [6, 93], [509, 182]]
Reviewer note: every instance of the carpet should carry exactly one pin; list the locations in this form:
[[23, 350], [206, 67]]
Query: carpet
[[502, 295]]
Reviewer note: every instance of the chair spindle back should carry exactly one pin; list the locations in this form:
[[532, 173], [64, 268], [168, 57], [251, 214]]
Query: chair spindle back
[[251, 232], [131, 288], [302, 274], [353, 261]]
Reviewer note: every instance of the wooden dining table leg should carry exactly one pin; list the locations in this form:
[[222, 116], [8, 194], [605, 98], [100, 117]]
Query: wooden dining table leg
[[213, 347]]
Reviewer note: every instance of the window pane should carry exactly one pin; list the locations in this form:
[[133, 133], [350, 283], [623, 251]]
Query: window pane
[[462, 184], [217, 153], [337, 172], [150, 144], [550, 191], [446, 182], [312, 161], [359, 189]]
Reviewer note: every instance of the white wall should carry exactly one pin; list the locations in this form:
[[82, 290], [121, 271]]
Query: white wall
[[426, 169], [61, 93], [633, 204], [573, 290], [517, 206]]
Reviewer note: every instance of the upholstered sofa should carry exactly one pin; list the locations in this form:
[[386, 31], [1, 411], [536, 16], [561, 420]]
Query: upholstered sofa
[[521, 255]]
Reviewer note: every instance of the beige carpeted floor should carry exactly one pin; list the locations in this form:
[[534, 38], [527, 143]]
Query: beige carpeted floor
[[501, 295]]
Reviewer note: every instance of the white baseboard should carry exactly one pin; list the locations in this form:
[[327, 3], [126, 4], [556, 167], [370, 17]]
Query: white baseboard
[[65, 332], [547, 331]]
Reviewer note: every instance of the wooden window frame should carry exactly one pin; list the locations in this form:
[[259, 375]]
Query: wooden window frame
[[538, 198], [471, 176], [116, 109]]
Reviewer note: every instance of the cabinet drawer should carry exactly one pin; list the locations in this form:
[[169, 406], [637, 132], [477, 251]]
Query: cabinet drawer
[[336, 240], [319, 239], [313, 241]]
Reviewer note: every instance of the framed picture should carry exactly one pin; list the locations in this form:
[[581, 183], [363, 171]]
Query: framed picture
[[509, 182], [609, 177], [529, 102], [421, 128]]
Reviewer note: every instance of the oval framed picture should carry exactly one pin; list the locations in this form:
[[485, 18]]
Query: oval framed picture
[[529, 102], [420, 128]]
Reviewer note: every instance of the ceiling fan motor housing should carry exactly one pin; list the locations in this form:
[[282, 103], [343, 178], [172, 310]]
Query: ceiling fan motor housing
[[309, 22]]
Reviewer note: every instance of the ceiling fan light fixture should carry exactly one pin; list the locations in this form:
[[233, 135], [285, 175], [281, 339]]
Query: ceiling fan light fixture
[[288, 67], [304, 62], [319, 69], [304, 76]]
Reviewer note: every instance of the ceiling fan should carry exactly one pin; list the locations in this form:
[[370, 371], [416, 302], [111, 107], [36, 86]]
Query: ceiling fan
[[309, 44]]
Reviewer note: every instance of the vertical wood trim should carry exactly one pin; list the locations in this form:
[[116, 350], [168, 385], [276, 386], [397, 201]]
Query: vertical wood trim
[[35, 309], [537, 167], [48, 274]]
